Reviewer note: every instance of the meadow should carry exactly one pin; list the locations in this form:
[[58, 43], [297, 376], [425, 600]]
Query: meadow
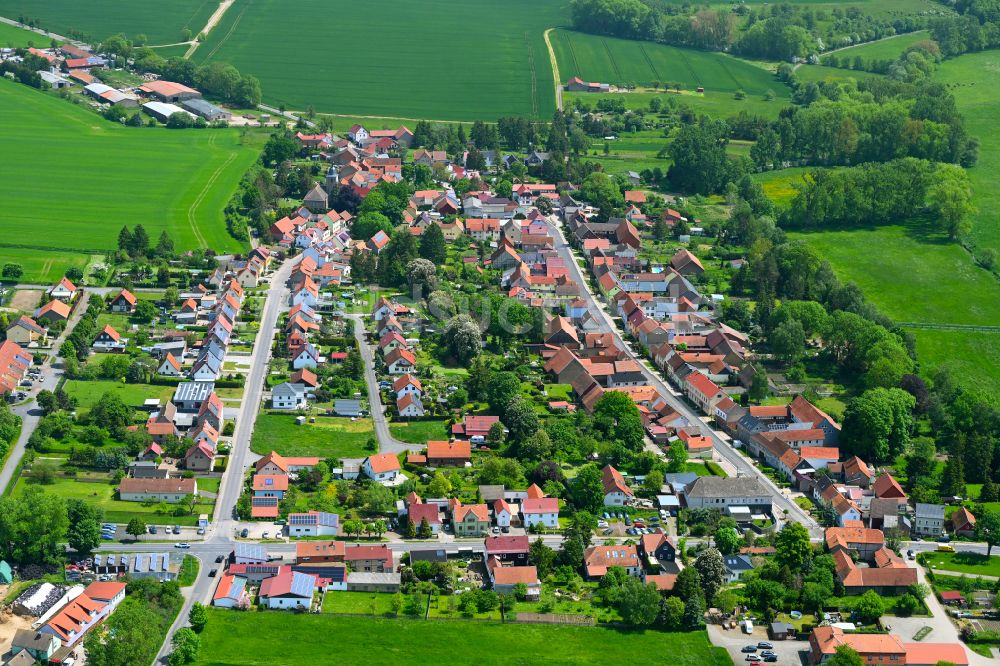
[[622, 61], [71, 179], [328, 437], [914, 275], [247, 639], [161, 22], [885, 49], [437, 60], [816, 73], [975, 81]]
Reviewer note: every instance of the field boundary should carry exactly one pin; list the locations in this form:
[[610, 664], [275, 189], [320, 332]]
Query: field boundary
[[949, 327], [534, 78]]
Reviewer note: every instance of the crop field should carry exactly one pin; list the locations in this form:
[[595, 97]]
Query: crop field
[[232, 637], [161, 22], [69, 180], [975, 81], [437, 60], [14, 36], [916, 276], [622, 61]]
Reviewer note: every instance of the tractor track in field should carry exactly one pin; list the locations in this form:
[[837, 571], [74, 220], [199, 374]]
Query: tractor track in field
[[534, 78], [649, 61], [214, 21], [204, 192], [611, 57]]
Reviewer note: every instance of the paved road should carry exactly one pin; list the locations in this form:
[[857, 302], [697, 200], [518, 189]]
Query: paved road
[[386, 442], [782, 503], [30, 413], [218, 538]]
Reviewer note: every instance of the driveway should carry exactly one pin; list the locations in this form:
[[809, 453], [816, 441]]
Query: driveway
[[789, 652]]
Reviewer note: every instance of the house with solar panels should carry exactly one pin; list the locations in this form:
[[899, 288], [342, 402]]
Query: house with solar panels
[[288, 589], [313, 523], [249, 553], [232, 591]]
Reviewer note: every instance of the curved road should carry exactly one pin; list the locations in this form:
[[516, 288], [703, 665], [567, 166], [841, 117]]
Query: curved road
[[743, 466]]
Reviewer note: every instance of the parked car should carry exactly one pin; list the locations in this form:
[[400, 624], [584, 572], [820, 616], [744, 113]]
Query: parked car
[[764, 645], [910, 555], [244, 533], [201, 530], [749, 648], [177, 529], [152, 529]]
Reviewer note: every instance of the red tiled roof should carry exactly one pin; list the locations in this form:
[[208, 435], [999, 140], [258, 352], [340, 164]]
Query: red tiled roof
[[383, 462]]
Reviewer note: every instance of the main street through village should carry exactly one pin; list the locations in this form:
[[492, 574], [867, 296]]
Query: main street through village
[[222, 533]]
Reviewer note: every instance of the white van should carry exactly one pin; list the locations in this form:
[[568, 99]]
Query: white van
[[747, 627], [477, 439]]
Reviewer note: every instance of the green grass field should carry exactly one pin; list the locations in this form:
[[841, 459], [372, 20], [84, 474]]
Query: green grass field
[[247, 639], [438, 60], [886, 49], [927, 280], [622, 61], [69, 180], [161, 22], [418, 432], [13, 36], [329, 437], [815, 73], [970, 563], [115, 511], [133, 395], [975, 81]]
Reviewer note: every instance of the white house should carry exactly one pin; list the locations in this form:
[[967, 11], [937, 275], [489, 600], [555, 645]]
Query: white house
[[288, 396], [502, 513], [109, 340], [383, 467], [400, 361], [313, 523], [410, 406], [543, 511], [616, 491], [357, 134], [170, 367], [231, 590], [308, 357], [407, 385], [289, 589]]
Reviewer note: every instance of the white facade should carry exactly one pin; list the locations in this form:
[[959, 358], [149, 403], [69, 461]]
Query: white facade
[[550, 520], [616, 498]]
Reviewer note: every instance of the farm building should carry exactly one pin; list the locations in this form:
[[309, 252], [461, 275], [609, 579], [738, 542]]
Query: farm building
[[162, 111], [168, 91], [108, 95], [206, 110]]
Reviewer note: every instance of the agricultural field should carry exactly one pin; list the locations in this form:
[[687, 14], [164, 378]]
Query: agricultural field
[[975, 81], [928, 280], [161, 22], [13, 36], [328, 437], [309, 638], [623, 61], [177, 180], [448, 60]]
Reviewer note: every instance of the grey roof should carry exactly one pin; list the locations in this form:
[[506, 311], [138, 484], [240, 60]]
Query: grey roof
[[930, 511], [781, 627], [200, 106], [288, 389], [714, 486], [434, 555], [682, 478], [364, 577], [345, 406], [35, 640], [188, 391], [737, 563], [22, 658], [491, 493]]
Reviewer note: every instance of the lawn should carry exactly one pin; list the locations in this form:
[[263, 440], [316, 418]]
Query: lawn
[[115, 511], [418, 432], [14, 36], [89, 392], [161, 22], [632, 62], [247, 639], [970, 563], [975, 82], [447, 60], [928, 280], [329, 437], [176, 180], [359, 603]]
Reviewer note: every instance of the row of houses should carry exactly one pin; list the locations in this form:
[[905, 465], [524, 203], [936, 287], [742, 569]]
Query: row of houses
[[63, 624]]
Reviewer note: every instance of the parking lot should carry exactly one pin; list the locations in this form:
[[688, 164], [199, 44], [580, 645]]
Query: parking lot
[[618, 524], [789, 652]]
